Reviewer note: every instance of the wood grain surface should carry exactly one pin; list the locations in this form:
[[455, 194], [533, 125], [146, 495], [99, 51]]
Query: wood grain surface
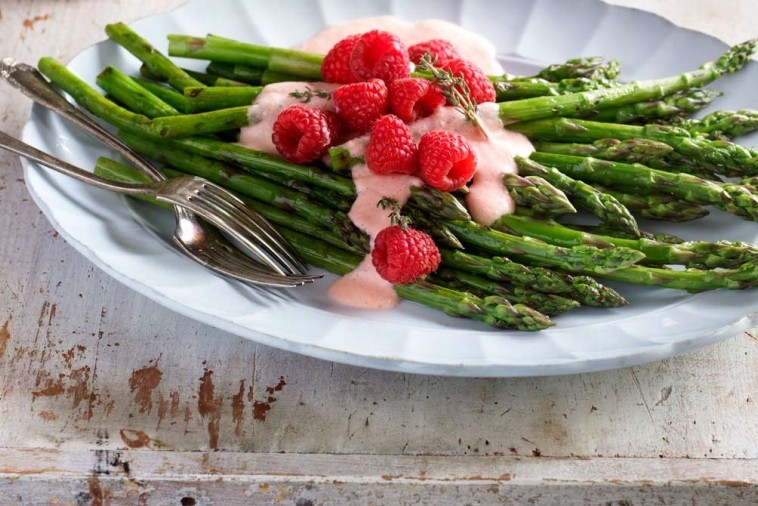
[[108, 398]]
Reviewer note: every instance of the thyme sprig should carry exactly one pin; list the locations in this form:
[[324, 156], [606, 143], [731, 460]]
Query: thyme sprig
[[307, 95], [395, 217], [455, 89]]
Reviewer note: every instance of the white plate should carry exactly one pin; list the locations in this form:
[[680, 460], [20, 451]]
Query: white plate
[[130, 240]]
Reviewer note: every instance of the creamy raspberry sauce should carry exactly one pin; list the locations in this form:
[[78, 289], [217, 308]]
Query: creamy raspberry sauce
[[487, 200]]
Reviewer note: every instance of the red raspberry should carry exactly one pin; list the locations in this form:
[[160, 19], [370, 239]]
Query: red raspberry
[[335, 68], [360, 104], [441, 50], [380, 55], [301, 134], [414, 98], [446, 160], [391, 148], [403, 255], [482, 89]]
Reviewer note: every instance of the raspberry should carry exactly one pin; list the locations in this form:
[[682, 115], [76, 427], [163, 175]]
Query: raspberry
[[403, 255], [380, 55], [482, 89], [391, 148], [335, 68], [441, 50], [413, 98], [301, 134], [446, 160], [360, 104]]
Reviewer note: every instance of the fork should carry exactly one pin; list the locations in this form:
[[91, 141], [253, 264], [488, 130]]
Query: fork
[[198, 241], [207, 200]]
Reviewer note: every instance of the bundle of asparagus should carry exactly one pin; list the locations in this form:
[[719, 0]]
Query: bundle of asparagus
[[618, 151]]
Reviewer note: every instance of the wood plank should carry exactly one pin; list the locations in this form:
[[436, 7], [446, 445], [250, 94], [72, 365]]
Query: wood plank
[[153, 477]]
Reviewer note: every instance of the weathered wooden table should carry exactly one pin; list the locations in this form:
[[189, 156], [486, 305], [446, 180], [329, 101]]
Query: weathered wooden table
[[108, 398]]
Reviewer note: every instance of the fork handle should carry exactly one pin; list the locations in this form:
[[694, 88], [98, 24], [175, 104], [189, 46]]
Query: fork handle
[[20, 148], [31, 83]]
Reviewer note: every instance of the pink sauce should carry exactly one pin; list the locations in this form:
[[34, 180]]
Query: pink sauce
[[488, 199], [471, 46]]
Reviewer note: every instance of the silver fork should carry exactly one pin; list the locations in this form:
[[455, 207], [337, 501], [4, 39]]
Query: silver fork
[[202, 243], [193, 193]]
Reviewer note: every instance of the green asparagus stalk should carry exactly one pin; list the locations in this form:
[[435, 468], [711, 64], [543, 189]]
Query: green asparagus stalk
[[249, 75], [492, 310], [592, 67], [575, 259], [219, 49], [158, 64], [583, 289], [537, 194], [132, 95], [206, 79], [606, 207], [545, 303], [727, 158], [530, 88], [577, 103], [90, 99], [676, 105], [691, 280], [168, 95], [658, 207], [628, 151], [436, 228], [641, 179], [212, 98], [723, 125], [162, 127], [697, 254]]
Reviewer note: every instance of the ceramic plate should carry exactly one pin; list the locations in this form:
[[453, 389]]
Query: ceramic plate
[[130, 241]]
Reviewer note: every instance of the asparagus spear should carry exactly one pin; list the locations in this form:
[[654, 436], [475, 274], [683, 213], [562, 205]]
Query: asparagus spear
[[165, 127], [132, 95], [537, 194], [250, 75], [641, 179], [545, 303], [220, 49], [592, 67], [570, 105], [654, 154], [151, 57], [530, 88], [583, 289], [575, 259], [699, 254], [628, 151], [206, 79], [604, 206], [723, 125], [727, 158], [168, 95], [212, 98], [659, 207], [692, 280], [675, 105]]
